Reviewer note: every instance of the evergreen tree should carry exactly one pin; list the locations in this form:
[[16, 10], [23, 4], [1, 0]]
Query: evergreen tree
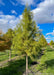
[[51, 42], [42, 41], [8, 35], [26, 34]]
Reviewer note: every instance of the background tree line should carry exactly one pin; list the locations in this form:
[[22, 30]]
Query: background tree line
[[51, 42]]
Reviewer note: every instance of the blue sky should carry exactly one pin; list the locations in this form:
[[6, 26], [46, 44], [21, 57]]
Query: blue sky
[[43, 11]]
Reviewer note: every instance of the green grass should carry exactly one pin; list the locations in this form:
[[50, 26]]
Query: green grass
[[5, 55], [16, 67], [45, 66], [53, 46], [46, 62]]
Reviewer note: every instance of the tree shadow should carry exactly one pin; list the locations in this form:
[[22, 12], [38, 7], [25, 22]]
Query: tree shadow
[[17, 67], [49, 63], [50, 50], [14, 68]]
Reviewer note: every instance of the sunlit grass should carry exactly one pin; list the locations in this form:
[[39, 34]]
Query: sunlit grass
[[46, 62], [5, 55], [46, 65]]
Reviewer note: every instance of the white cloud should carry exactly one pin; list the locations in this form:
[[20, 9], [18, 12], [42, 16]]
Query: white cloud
[[13, 12], [52, 33], [29, 2], [1, 13], [13, 3], [1, 2], [48, 38], [23, 2], [8, 21], [44, 13]]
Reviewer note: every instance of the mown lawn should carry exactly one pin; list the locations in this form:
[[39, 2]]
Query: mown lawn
[[46, 63], [53, 46], [16, 67], [5, 55]]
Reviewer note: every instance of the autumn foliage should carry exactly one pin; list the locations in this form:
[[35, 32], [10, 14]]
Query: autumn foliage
[[5, 40], [5, 44]]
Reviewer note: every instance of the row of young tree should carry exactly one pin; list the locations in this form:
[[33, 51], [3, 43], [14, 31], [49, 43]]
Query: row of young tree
[[51, 42], [26, 38]]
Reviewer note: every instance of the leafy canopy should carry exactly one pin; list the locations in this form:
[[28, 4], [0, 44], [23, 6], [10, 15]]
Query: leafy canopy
[[42, 41], [26, 34]]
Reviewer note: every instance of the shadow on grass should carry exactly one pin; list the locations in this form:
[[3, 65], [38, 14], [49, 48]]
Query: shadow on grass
[[15, 67], [50, 63], [50, 50]]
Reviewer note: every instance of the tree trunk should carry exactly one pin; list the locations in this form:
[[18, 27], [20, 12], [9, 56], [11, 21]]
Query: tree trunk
[[10, 55], [26, 65]]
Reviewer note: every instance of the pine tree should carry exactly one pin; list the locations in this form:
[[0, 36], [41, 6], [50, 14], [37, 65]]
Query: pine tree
[[42, 41], [51, 42], [26, 34]]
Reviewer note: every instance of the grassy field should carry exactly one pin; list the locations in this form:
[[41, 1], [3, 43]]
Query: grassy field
[[45, 65], [5, 55], [53, 46], [15, 67]]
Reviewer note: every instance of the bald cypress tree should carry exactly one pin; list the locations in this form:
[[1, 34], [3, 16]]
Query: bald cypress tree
[[25, 36], [42, 41], [51, 42]]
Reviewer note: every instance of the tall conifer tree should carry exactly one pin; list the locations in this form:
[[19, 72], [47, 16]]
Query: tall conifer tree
[[25, 36], [42, 41]]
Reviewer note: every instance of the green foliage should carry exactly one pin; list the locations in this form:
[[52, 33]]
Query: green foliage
[[9, 34], [46, 63], [51, 42], [26, 34], [42, 41], [6, 40]]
